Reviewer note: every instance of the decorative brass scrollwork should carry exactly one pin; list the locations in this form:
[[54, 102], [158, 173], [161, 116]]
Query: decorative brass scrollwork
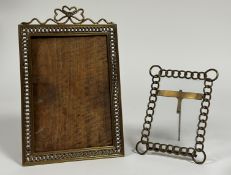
[[65, 15]]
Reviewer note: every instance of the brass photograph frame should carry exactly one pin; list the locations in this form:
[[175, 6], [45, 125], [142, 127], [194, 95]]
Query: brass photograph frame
[[196, 153], [69, 25]]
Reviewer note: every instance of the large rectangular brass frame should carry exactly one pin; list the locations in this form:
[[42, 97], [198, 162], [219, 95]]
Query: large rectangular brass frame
[[28, 30]]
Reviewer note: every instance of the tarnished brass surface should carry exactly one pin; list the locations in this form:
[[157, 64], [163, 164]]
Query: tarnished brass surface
[[69, 22], [178, 94]]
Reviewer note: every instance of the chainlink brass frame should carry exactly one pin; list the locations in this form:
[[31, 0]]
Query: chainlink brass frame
[[71, 23], [198, 151]]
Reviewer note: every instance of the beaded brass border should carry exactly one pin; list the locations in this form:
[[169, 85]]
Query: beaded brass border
[[198, 151], [26, 30]]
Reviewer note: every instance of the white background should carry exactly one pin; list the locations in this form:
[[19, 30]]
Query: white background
[[179, 34]]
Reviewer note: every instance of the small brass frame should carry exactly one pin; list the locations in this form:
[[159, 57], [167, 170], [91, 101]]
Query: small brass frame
[[197, 153], [69, 22]]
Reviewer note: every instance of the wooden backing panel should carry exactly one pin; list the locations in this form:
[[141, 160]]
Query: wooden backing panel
[[71, 97]]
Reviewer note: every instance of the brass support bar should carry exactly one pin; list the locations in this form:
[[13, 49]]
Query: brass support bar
[[181, 94]]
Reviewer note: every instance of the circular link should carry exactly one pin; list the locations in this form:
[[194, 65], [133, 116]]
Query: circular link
[[145, 132], [204, 109], [188, 74], [198, 153], [212, 74], [148, 119], [207, 96], [191, 151], [163, 73], [147, 126], [198, 137], [150, 112], [175, 74], [199, 146], [153, 98], [150, 145], [163, 148], [207, 89], [139, 151], [144, 139], [208, 83], [152, 104], [156, 77], [203, 116], [155, 70], [155, 84], [183, 151], [176, 150], [153, 91], [156, 147], [181, 74], [201, 75], [205, 103], [169, 149], [203, 123], [195, 75], [169, 73]]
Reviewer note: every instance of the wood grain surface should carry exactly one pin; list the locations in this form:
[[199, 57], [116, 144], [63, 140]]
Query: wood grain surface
[[71, 96]]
